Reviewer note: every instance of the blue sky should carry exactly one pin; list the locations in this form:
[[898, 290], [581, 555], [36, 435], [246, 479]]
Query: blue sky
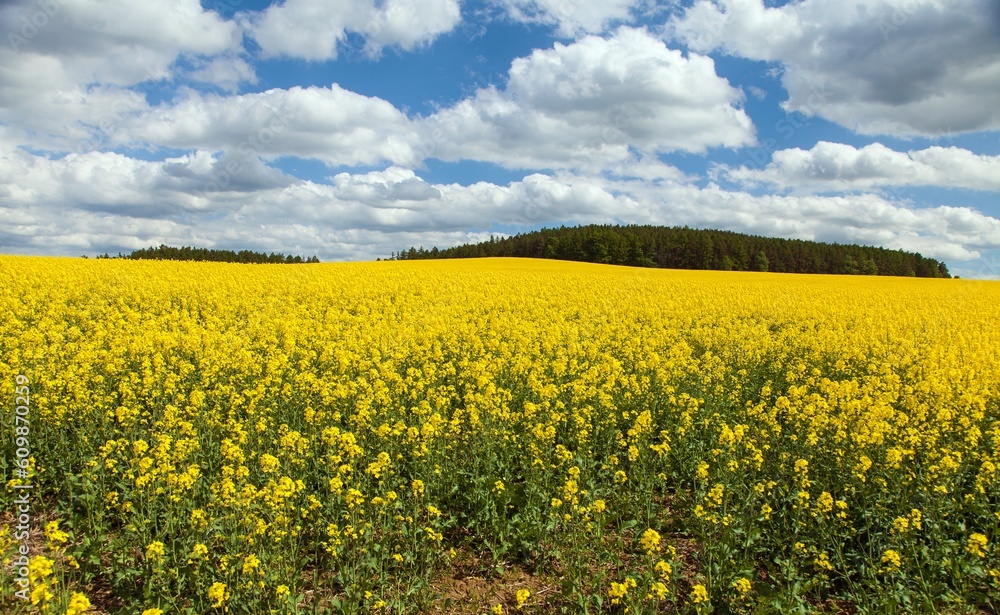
[[355, 128]]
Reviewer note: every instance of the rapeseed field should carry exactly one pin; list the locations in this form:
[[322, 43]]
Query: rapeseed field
[[353, 438]]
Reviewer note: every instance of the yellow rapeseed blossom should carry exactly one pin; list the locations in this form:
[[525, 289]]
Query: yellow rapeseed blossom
[[40, 568], [269, 464], [78, 604], [742, 586], [521, 596], [218, 594], [650, 541], [657, 591], [618, 591], [891, 559], [699, 594], [976, 544], [663, 570], [55, 535], [155, 551], [310, 416]]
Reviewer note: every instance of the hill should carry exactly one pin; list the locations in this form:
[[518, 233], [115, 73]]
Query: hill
[[687, 248]]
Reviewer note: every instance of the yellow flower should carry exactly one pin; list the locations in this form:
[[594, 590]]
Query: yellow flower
[[40, 568], [153, 611], [650, 541], [499, 486], [497, 609], [41, 594], [269, 464], [250, 564], [522, 596], [742, 586], [354, 498], [663, 570], [702, 471], [599, 506], [901, 524], [417, 486], [713, 499], [54, 534], [78, 603], [824, 503], [822, 562], [976, 545], [217, 594], [198, 518], [282, 591], [620, 477], [620, 590], [699, 594], [198, 552], [155, 551], [892, 560]]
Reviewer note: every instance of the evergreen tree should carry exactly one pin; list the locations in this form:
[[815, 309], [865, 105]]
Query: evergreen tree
[[761, 262], [687, 248]]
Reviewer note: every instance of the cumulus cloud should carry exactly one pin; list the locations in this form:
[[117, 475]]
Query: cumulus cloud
[[102, 201], [224, 72], [113, 183], [331, 124], [942, 232], [572, 17], [599, 104], [898, 67], [839, 167], [66, 67], [314, 29], [594, 103]]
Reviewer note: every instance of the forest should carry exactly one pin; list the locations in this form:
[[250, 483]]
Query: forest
[[688, 248], [188, 253]]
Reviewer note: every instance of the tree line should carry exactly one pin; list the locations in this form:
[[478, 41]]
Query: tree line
[[188, 253], [688, 248]]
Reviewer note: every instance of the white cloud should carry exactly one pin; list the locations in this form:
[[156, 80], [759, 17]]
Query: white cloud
[[839, 167], [224, 72], [592, 104], [66, 80], [113, 183], [411, 23], [899, 67], [598, 104], [108, 202], [572, 17], [313, 29], [331, 124]]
